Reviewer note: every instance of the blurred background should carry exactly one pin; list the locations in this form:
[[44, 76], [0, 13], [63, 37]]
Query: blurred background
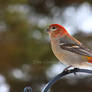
[[26, 58]]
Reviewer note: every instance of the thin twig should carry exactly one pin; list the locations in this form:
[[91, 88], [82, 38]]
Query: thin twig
[[59, 76]]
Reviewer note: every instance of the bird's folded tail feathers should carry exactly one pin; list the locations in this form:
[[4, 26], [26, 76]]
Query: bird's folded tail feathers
[[89, 59]]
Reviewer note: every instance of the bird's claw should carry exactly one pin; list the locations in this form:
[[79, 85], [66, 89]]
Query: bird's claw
[[75, 70], [68, 70]]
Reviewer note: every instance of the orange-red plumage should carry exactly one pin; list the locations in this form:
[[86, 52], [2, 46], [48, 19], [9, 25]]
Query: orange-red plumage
[[89, 59], [59, 31]]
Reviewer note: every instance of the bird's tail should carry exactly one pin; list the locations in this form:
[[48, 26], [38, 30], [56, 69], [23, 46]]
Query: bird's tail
[[89, 59]]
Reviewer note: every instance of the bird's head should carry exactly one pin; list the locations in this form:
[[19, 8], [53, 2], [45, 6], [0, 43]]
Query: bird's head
[[56, 30]]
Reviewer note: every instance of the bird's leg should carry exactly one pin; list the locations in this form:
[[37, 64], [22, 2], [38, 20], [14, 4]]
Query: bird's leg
[[66, 69]]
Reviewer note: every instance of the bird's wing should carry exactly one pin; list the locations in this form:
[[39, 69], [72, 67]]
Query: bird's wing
[[76, 48]]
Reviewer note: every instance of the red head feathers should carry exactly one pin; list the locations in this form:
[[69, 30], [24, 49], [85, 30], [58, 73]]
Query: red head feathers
[[56, 29]]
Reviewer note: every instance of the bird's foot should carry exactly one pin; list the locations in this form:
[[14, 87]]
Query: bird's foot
[[68, 70], [75, 71]]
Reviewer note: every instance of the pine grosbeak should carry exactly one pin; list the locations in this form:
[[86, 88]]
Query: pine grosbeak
[[67, 49]]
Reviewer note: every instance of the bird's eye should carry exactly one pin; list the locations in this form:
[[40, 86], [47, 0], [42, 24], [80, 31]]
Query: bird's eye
[[53, 28]]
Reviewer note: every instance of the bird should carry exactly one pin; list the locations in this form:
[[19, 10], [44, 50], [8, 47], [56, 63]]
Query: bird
[[68, 49]]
